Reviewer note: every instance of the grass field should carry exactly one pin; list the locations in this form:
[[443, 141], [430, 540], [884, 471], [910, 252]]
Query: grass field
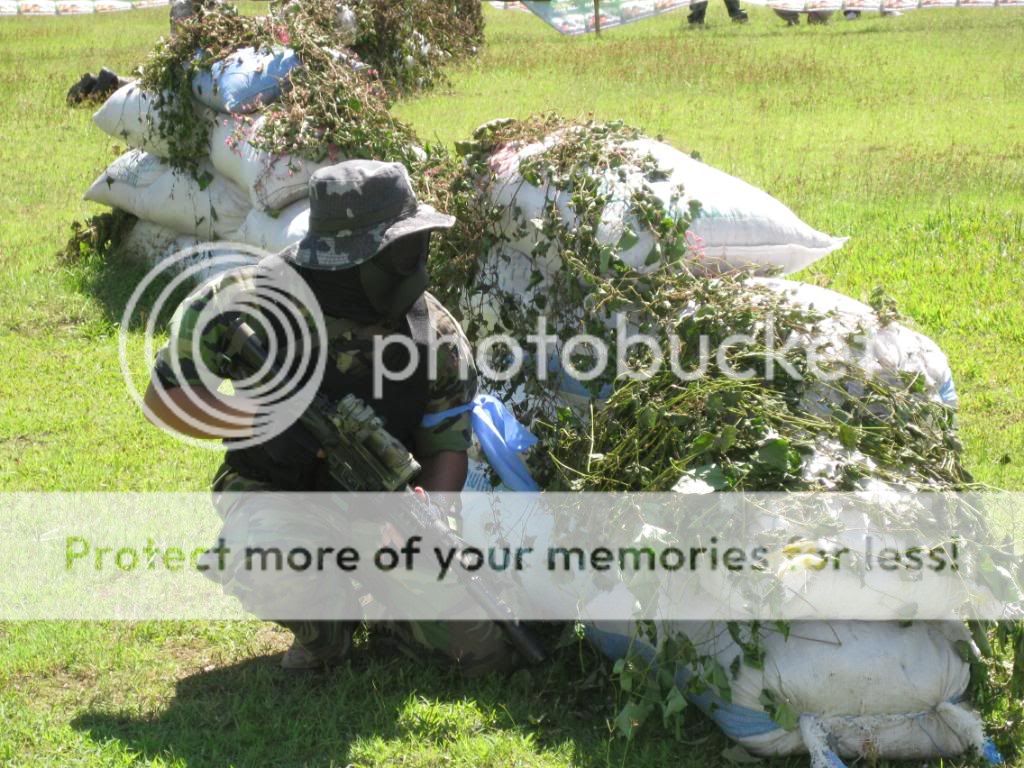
[[905, 134]]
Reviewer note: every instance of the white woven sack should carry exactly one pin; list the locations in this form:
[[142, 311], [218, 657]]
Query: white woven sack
[[148, 243], [37, 8], [151, 244], [275, 233], [872, 686], [131, 114], [75, 7], [272, 181], [145, 186], [738, 224], [882, 689], [889, 350]]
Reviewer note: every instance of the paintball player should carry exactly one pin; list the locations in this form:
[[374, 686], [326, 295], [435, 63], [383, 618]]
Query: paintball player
[[365, 262]]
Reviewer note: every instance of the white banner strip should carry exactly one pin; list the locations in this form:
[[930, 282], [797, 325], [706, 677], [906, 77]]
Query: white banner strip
[[723, 556], [73, 7]]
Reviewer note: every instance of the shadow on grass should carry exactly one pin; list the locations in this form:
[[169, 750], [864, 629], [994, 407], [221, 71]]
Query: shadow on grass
[[254, 714], [103, 271]]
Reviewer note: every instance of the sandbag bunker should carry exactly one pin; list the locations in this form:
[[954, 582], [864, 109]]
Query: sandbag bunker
[[544, 239], [583, 222]]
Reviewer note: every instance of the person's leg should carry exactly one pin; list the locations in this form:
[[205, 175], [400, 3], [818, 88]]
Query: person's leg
[[697, 11], [318, 643], [735, 12], [259, 529]]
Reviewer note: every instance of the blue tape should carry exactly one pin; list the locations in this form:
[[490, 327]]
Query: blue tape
[[501, 436], [735, 721]]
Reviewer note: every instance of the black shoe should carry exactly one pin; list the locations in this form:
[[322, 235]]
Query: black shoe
[[106, 80], [81, 90], [740, 18], [695, 22], [329, 654], [106, 83]]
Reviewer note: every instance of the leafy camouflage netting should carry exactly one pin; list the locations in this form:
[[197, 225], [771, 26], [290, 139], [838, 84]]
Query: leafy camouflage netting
[[755, 433], [408, 42], [355, 59]]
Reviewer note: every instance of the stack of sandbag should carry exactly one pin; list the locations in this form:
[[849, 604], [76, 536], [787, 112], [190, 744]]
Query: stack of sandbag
[[830, 688], [239, 194]]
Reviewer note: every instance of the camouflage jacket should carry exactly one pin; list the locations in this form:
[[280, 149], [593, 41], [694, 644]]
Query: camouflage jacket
[[453, 385]]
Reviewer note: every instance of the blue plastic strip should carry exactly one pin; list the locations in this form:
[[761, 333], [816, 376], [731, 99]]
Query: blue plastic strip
[[948, 392], [501, 436], [991, 754], [735, 721]]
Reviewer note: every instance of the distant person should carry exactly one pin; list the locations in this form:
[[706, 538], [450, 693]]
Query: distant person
[[697, 11]]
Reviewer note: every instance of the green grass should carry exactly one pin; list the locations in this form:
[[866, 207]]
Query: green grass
[[904, 134]]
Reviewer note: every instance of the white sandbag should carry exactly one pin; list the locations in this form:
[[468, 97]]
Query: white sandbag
[[890, 351], [152, 244], [204, 261], [917, 666], [855, 688], [274, 233], [346, 25], [131, 114], [506, 273], [738, 224], [8, 8], [272, 181], [145, 186], [148, 243], [112, 6]]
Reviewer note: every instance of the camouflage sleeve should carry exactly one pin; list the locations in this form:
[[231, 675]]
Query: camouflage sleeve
[[454, 385], [179, 361]]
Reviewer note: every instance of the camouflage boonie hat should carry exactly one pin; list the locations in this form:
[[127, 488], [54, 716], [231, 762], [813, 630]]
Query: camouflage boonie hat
[[356, 209]]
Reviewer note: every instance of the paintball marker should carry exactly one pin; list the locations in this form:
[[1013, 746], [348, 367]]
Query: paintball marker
[[362, 456]]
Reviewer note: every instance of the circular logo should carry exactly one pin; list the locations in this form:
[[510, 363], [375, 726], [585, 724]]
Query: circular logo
[[254, 323]]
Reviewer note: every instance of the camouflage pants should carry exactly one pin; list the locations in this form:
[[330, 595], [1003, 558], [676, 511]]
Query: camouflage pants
[[254, 521]]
